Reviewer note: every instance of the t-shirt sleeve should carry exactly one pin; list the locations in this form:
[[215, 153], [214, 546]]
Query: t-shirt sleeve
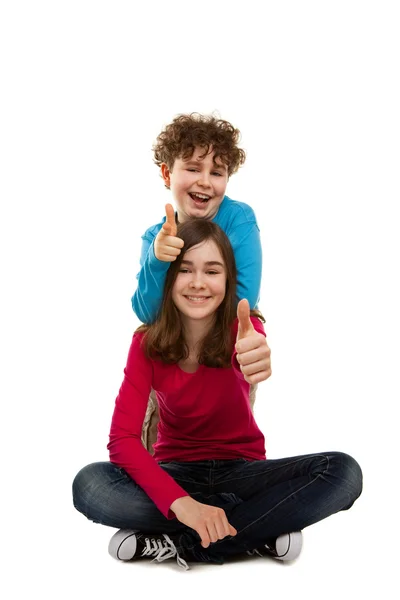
[[125, 445], [146, 301], [246, 244]]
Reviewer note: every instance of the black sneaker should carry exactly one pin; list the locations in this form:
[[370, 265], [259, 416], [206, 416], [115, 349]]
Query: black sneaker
[[285, 547], [127, 544]]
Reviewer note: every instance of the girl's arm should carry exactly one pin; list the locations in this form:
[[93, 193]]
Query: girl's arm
[[125, 446]]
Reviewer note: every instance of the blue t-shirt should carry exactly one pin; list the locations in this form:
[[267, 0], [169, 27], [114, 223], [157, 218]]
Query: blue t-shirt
[[239, 222]]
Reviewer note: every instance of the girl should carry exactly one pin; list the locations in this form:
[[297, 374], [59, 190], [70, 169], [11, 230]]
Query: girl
[[208, 492]]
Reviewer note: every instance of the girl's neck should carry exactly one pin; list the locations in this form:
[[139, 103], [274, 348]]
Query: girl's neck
[[195, 331]]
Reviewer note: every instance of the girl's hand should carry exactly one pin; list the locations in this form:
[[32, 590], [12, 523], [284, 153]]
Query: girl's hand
[[167, 246], [253, 353], [210, 522]]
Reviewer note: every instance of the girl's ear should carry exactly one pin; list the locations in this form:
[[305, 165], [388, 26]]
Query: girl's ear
[[166, 174]]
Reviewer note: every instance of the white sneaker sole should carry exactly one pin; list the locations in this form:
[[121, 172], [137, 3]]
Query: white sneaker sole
[[122, 545], [288, 546]]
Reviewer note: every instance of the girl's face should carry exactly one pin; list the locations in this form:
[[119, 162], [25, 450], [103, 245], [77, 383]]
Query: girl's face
[[199, 287]]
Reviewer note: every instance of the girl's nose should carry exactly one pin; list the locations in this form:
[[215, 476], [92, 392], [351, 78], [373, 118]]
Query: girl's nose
[[197, 282]]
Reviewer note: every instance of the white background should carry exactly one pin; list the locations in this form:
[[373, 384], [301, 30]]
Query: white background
[[86, 88]]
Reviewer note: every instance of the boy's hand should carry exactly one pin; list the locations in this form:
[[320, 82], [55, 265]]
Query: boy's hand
[[210, 522], [166, 245], [253, 354]]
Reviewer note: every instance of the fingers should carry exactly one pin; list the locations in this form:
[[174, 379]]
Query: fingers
[[258, 377], [249, 367], [203, 533], [213, 534], [254, 358], [170, 241], [245, 327], [251, 353], [253, 341], [167, 247], [256, 372], [210, 522], [215, 528], [232, 530], [255, 367], [223, 528]]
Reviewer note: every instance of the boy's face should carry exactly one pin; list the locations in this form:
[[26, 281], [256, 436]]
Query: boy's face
[[197, 184]]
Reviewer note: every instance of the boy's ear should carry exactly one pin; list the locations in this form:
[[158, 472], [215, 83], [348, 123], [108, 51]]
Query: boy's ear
[[165, 173]]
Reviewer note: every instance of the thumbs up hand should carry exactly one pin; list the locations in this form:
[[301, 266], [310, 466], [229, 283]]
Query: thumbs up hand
[[167, 246], [253, 353]]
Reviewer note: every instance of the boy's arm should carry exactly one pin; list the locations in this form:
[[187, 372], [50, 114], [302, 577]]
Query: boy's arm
[[246, 243], [146, 301], [160, 247]]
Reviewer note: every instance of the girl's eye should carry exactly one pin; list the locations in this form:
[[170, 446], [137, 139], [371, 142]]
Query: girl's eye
[[193, 170], [183, 270], [212, 272]]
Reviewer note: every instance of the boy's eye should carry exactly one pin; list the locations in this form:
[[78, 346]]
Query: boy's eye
[[218, 174], [193, 170]]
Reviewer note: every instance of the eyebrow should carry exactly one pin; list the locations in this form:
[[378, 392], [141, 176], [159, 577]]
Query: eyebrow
[[209, 263], [196, 162]]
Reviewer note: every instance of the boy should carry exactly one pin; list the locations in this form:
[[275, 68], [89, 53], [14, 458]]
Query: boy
[[196, 154]]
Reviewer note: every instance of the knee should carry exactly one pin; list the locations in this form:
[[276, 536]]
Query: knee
[[348, 475], [84, 486]]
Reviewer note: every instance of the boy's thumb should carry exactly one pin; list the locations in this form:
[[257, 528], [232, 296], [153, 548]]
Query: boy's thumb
[[166, 228], [170, 219]]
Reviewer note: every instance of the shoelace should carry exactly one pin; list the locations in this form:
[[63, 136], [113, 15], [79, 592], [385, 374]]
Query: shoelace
[[253, 553], [162, 550], [256, 552]]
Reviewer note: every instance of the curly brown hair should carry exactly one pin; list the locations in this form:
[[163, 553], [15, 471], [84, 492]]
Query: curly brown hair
[[188, 131]]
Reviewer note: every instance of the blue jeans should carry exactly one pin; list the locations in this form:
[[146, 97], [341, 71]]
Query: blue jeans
[[262, 499]]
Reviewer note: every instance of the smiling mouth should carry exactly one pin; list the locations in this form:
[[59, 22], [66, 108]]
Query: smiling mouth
[[197, 299], [199, 198]]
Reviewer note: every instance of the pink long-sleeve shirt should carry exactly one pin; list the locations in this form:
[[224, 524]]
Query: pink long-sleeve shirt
[[204, 415]]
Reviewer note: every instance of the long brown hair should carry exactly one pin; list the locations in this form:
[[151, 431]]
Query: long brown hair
[[164, 339]]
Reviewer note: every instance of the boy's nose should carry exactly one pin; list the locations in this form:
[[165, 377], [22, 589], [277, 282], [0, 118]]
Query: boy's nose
[[204, 180]]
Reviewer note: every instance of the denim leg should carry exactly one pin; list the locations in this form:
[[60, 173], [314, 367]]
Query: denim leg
[[262, 499], [278, 496], [106, 494]]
